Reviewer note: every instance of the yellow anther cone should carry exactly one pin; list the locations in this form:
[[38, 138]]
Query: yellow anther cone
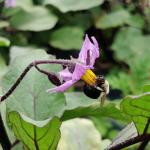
[[89, 77]]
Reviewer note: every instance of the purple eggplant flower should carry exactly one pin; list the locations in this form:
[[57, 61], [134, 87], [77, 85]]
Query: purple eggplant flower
[[10, 3], [87, 56]]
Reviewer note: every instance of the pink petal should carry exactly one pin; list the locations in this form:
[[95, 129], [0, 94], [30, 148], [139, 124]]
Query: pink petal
[[79, 71], [65, 74], [96, 47], [91, 48], [62, 87], [10, 3]]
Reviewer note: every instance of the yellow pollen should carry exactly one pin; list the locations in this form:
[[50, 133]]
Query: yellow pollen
[[89, 77]]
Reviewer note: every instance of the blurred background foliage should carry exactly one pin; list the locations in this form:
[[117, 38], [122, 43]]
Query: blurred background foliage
[[122, 28]]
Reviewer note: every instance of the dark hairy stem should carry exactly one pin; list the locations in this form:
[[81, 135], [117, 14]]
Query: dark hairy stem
[[26, 70], [14, 86], [144, 143], [42, 71], [134, 140]]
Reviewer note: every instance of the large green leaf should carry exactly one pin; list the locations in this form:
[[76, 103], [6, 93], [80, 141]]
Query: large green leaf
[[19, 50], [72, 5], [31, 100], [3, 24], [30, 97], [137, 109], [18, 146], [113, 19], [136, 21], [84, 129], [135, 45], [117, 81], [146, 88], [79, 105], [3, 67], [4, 42], [81, 20], [35, 135], [35, 19], [25, 4], [121, 46], [67, 38]]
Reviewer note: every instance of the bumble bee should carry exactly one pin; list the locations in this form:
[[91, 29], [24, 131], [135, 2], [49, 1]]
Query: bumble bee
[[101, 87]]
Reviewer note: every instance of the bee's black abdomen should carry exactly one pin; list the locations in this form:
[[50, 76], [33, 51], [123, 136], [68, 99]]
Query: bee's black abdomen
[[91, 92]]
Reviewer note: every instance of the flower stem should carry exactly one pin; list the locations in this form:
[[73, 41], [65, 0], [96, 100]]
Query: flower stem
[[144, 138], [26, 70], [134, 140]]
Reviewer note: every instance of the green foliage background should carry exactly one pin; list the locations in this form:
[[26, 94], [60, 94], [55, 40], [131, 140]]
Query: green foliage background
[[37, 29]]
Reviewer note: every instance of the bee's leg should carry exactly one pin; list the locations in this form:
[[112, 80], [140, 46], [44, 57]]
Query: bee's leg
[[102, 99]]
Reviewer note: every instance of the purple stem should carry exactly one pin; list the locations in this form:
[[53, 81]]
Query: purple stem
[[35, 63]]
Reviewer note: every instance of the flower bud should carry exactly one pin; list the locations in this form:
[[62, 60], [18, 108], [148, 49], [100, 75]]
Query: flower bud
[[54, 79]]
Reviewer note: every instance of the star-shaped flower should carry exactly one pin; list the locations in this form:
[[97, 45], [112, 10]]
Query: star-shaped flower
[[82, 69]]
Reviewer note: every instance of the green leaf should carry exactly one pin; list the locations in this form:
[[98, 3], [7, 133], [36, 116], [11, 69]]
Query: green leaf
[[70, 19], [18, 146], [135, 45], [35, 19], [102, 125], [67, 38], [113, 19], [136, 21], [3, 67], [35, 135], [25, 4], [71, 5], [79, 105], [126, 49], [88, 136], [20, 39], [147, 14], [130, 51], [32, 101], [137, 76], [137, 109], [8, 12], [146, 88], [3, 24], [141, 46], [9, 132], [16, 51], [4, 42], [117, 81], [30, 97]]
